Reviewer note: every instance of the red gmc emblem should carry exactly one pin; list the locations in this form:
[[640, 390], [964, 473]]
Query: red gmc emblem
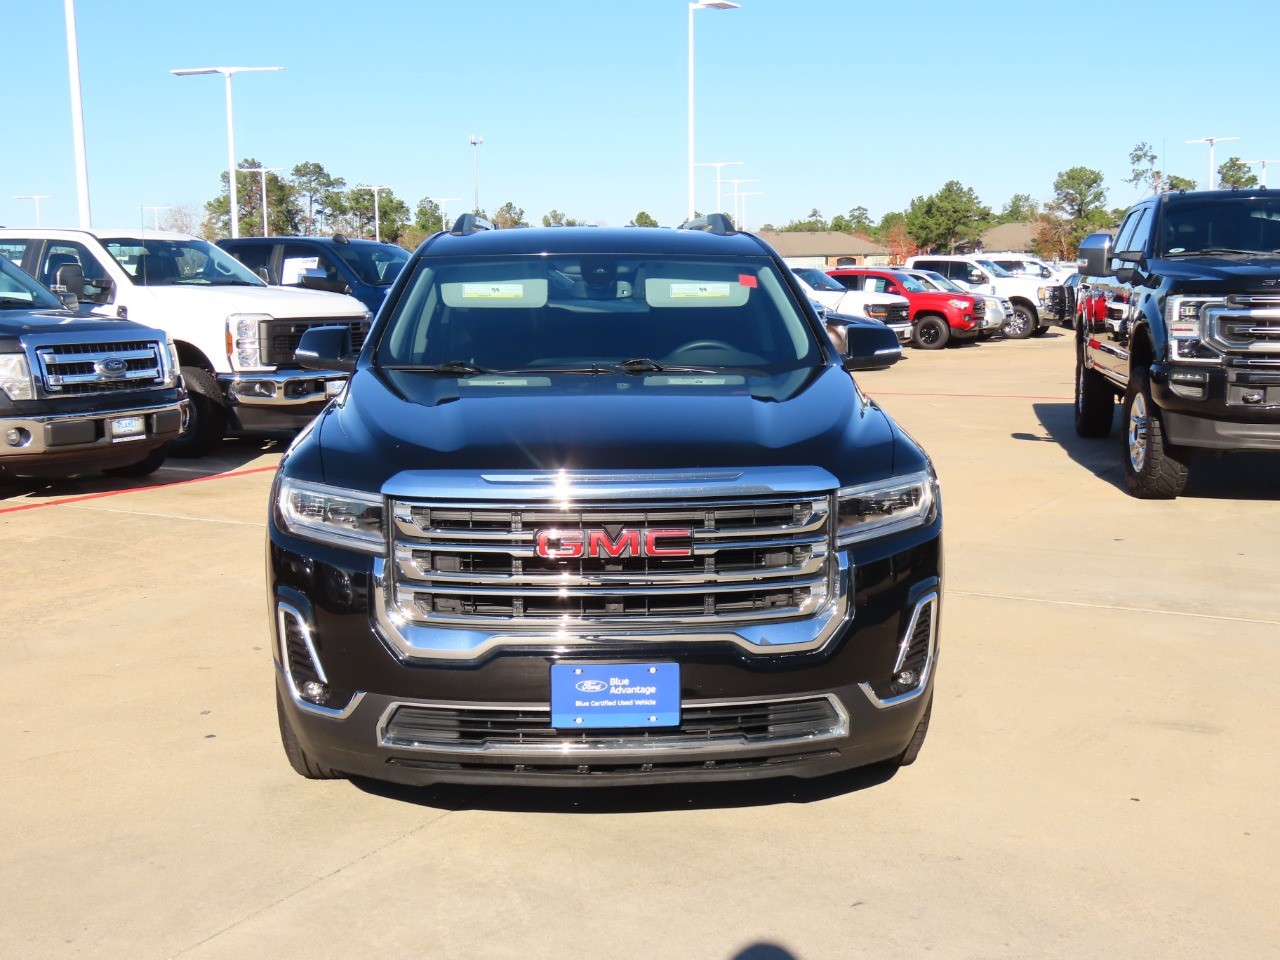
[[576, 544]]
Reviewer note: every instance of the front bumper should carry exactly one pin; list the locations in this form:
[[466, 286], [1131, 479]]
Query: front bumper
[[903, 331], [281, 388], [71, 441], [1229, 408]]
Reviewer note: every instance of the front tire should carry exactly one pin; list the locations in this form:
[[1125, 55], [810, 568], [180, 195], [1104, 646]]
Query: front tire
[[302, 763], [1095, 400], [1154, 469], [908, 756], [1021, 324], [931, 333], [207, 423]]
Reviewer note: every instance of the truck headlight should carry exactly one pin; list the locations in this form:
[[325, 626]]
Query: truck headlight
[[244, 342], [171, 374], [876, 311], [15, 377], [1182, 318], [886, 507], [344, 518], [959, 304], [1043, 294]]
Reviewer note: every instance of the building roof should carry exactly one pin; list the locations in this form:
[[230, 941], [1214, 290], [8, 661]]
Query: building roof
[[828, 243], [1009, 236]]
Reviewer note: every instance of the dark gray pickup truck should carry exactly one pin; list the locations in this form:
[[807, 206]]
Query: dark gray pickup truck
[[81, 394]]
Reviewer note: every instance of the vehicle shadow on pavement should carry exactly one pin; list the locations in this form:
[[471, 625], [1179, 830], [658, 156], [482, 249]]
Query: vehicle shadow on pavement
[[646, 798], [1247, 475]]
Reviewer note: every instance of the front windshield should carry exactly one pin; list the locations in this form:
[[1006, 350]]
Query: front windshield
[[161, 263], [17, 289], [1220, 223], [592, 313], [937, 281], [994, 269], [910, 283], [817, 279], [376, 264]]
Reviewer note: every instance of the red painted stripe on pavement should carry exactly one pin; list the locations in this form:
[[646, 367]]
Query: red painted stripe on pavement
[[979, 396], [116, 493]]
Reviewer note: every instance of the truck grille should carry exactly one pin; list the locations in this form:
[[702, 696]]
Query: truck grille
[[528, 729], [110, 367], [280, 338], [898, 313], [732, 561], [979, 307], [1243, 324]]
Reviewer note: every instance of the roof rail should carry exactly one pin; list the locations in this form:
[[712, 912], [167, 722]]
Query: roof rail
[[468, 224], [717, 223]]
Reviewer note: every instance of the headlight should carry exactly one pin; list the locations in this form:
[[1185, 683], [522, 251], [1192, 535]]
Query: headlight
[[876, 311], [345, 518], [886, 507], [1182, 317], [244, 348], [959, 304], [15, 377], [1043, 294], [171, 375]]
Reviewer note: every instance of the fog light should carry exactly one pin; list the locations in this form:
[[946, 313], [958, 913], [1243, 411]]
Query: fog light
[[315, 691], [906, 678], [17, 437], [1191, 384]]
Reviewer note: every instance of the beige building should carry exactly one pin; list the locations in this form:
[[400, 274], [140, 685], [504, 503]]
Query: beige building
[[826, 249]]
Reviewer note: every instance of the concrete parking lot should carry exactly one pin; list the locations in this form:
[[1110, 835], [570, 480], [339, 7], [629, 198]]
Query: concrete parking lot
[[1100, 779]]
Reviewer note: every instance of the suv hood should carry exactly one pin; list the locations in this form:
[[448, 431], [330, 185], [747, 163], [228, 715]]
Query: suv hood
[[16, 322], [588, 423], [1257, 274], [285, 303]]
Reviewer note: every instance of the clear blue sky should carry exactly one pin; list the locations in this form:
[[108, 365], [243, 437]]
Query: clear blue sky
[[828, 103]]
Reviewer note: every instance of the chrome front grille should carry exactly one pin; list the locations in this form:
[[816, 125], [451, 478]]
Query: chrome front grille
[[107, 367], [898, 313], [1244, 324], [280, 338], [731, 561]]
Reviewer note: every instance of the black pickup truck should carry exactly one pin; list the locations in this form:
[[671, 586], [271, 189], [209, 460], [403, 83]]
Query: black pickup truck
[[80, 394], [1179, 315], [602, 507]]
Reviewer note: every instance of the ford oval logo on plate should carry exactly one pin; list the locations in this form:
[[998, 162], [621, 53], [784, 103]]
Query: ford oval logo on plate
[[590, 686], [112, 367]]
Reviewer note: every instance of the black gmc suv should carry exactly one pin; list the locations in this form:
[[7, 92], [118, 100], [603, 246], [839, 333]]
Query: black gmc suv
[[81, 394], [1180, 316], [602, 506]]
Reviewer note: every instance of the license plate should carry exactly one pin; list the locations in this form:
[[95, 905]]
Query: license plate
[[616, 695], [128, 428], [333, 387]]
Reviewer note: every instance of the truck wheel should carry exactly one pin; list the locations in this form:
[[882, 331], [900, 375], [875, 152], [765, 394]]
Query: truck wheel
[[908, 756], [207, 423], [1095, 400], [1020, 324], [302, 764], [144, 467], [1039, 331], [931, 333], [1154, 469]]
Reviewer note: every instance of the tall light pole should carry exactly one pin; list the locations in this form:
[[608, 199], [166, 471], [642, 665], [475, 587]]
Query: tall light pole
[[440, 202], [1211, 141], [704, 5], [262, 171], [736, 193], [231, 137], [37, 197], [155, 213], [475, 170], [742, 224], [719, 165], [77, 120], [1263, 164], [377, 224]]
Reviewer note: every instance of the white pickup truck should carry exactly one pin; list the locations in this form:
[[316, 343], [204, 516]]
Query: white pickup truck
[[235, 336], [891, 310]]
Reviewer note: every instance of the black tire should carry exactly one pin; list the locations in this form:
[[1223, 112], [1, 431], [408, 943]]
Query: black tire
[[144, 467], [931, 333], [1095, 400], [1154, 469], [207, 424], [302, 764], [908, 756], [1040, 331], [1021, 324]]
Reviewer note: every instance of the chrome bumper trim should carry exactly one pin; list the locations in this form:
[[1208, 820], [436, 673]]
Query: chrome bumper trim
[[282, 608], [280, 388], [929, 600], [38, 444]]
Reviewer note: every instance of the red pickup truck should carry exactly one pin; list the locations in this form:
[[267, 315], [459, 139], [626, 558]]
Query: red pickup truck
[[936, 318]]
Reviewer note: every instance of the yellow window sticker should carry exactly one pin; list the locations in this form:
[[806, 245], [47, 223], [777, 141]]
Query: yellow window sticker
[[699, 291], [492, 291]]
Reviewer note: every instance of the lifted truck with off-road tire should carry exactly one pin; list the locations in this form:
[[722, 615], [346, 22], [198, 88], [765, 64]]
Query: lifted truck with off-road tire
[[1180, 318]]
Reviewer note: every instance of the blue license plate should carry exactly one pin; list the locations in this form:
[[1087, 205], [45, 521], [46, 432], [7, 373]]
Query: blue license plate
[[617, 695]]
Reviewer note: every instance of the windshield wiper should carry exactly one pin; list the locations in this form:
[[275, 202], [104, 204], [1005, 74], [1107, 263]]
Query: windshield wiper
[[645, 365], [452, 368], [18, 302], [1208, 251]]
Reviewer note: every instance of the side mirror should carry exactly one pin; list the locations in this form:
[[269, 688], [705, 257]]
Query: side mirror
[[315, 279], [99, 289], [326, 348], [69, 300], [1095, 255], [264, 275], [70, 280], [1044, 273], [1133, 261], [977, 276], [870, 347]]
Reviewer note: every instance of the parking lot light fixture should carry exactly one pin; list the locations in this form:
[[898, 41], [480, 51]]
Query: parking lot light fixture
[[737, 192], [704, 5], [742, 196], [1263, 164], [155, 214], [233, 208], [262, 171], [1211, 141], [719, 165], [377, 224], [77, 119], [37, 197], [440, 202], [475, 170]]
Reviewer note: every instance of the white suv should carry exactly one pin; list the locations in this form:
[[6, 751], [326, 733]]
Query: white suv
[[1037, 303], [234, 334], [1026, 265], [891, 310]]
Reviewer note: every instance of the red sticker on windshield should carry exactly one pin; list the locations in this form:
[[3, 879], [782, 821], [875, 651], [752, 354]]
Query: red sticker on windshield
[[747, 280]]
